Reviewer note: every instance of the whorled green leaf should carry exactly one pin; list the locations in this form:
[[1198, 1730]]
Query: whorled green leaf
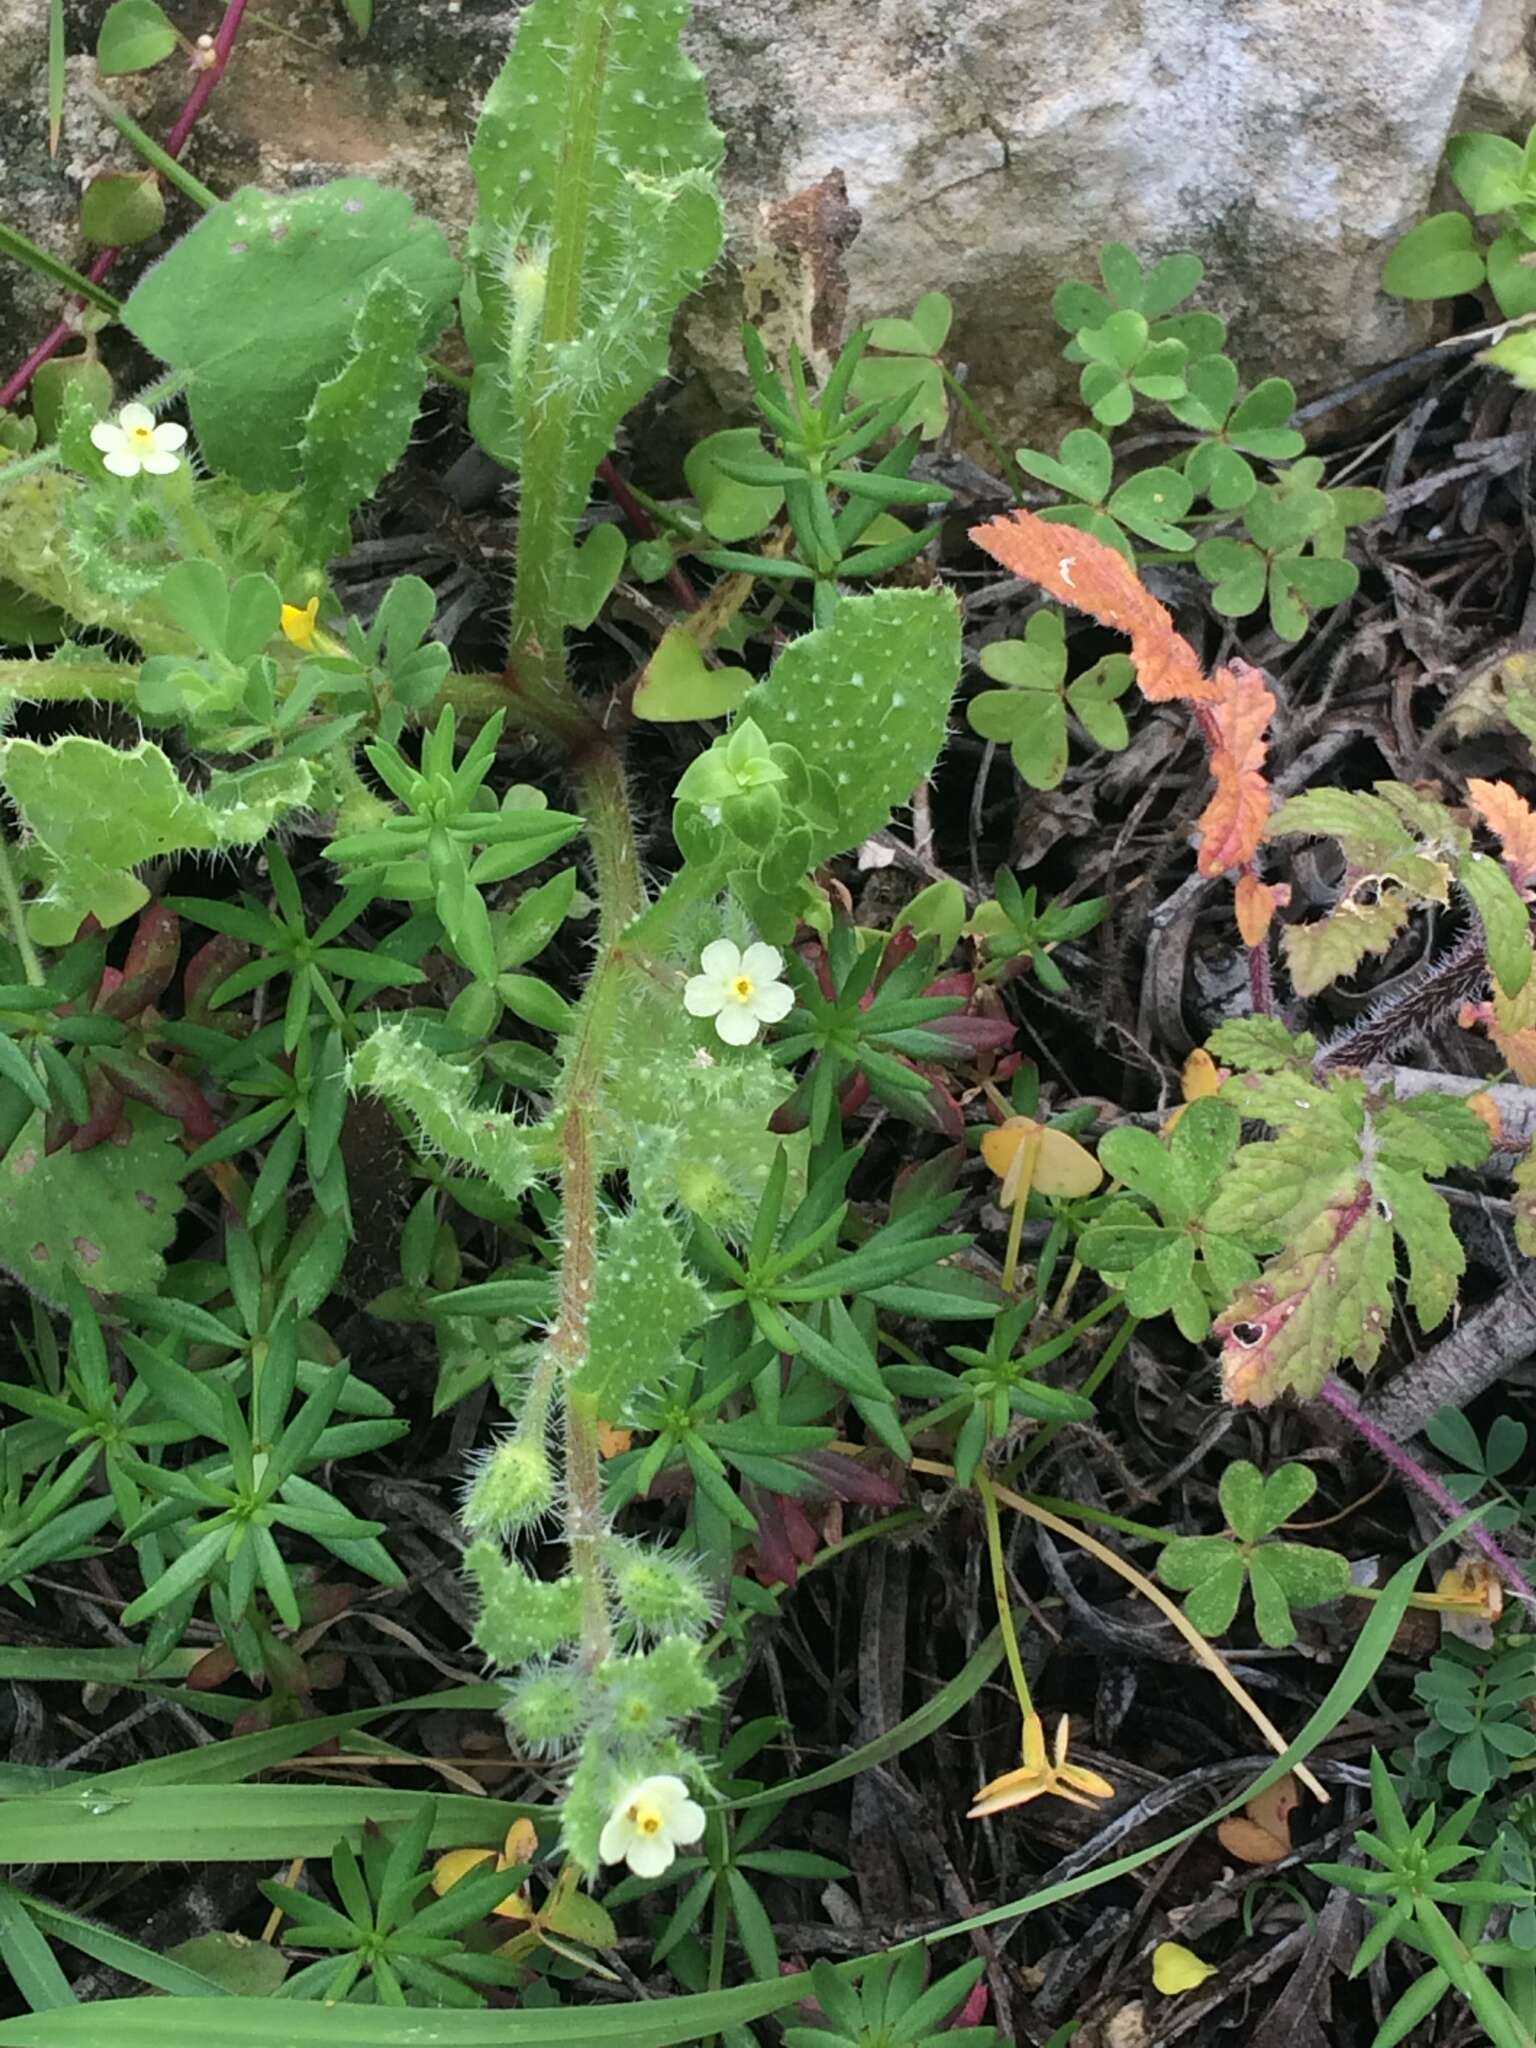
[[646, 1299], [104, 1216], [258, 306], [866, 698]]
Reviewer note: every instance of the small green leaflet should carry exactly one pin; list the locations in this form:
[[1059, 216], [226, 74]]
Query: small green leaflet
[[646, 1300]]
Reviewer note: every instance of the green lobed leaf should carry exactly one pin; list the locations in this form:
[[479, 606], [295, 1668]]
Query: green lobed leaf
[[259, 307], [104, 1216], [99, 810]]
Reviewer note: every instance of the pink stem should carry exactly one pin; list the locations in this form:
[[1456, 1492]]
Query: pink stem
[[1261, 990], [207, 78], [1408, 1467]]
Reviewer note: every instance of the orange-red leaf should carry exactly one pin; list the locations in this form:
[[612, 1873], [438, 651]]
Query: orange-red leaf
[[1082, 572], [1257, 903], [1237, 727], [1508, 814]]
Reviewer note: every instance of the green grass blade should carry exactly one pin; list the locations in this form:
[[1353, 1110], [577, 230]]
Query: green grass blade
[[235, 1824], [56, 74], [25, 1952], [19, 246]]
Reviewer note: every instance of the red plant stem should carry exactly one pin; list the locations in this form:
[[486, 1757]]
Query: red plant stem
[[645, 526], [197, 99], [1261, 989], [1406, 1466]]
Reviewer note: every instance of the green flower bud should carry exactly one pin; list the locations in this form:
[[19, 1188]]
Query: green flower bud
[[659, 1593], [547, 1709], [515, 1486]]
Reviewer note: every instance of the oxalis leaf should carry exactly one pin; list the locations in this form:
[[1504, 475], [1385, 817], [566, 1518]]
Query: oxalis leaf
[[645, 1301], [1341, 1186], [99, 810], [866, 699], [652, 230], [104, 1215], [258, 306]]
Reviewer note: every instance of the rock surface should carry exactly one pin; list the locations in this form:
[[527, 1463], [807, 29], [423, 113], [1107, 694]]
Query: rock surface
[[990, 145]]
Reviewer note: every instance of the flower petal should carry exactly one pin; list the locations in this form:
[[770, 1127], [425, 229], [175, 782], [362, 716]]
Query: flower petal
[[613, 1844], [132, 417], [458, 1863], [170, 435], [159, 462], [121, 463], [720, 958], [762, 963], [104, 435], [771, 1001], [1176, 1969], [1014, 1788], [704, 995], [736, 1024], [650, 1855], [686, 1823]]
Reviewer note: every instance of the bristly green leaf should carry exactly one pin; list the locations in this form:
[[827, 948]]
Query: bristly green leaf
[[359, 424], [440, 1100], [827, 696], [646, 1299], [652, 224], [258, 306], [99, 811]]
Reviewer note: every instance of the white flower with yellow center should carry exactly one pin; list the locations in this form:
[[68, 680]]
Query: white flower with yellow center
[[648, 1826], [741, 991], [133, 442]]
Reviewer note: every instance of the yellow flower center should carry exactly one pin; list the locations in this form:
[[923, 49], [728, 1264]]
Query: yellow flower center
[[142, 438], [741, 988], [646, 1818]]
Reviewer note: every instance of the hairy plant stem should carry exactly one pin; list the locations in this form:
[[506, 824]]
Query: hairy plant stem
[[16, 917], [1403, 1462]]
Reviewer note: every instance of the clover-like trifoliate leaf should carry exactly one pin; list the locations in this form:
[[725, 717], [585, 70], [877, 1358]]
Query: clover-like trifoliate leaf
[[1173, 1263], [1280, 1575]]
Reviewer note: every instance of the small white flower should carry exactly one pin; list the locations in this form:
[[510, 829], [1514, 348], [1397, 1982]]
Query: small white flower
[[741, 991], [133, 442], [650, 1823]]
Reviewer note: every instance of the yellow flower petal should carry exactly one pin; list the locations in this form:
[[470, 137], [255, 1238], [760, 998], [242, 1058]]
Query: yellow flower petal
[[1176, 1969], [522, 1843], [298, 622], [458, 1863]]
